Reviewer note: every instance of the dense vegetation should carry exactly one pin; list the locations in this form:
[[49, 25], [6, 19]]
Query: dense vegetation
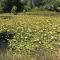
[[35, 36], [32, 33], [27, 5]]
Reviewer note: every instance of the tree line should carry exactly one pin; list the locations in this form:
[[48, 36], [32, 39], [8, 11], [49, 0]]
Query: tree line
[[27, 5]]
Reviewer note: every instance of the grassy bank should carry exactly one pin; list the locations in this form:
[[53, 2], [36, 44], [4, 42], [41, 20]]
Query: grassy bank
[[36, 36]]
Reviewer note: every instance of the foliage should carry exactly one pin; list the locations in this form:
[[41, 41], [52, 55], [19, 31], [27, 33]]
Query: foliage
[[36, 36], [32, 31], [14, 10], [27, 5]]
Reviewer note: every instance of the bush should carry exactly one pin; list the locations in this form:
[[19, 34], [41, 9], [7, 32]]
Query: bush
[[51, 8], [1, 7], [27, 8], [58, 9], [14, 8], [57, 6]]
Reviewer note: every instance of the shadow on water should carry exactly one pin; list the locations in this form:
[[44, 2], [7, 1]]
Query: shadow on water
[[4, 40]]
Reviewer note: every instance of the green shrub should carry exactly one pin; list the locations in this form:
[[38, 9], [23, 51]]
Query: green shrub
[[14, 8], [26, 8]]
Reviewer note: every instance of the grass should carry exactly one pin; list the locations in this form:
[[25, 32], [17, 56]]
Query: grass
[[37, 36]]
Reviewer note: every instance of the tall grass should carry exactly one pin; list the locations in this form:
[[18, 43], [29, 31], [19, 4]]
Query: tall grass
[[42, 55]]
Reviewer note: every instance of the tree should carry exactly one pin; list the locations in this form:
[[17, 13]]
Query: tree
[[8, 5]]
